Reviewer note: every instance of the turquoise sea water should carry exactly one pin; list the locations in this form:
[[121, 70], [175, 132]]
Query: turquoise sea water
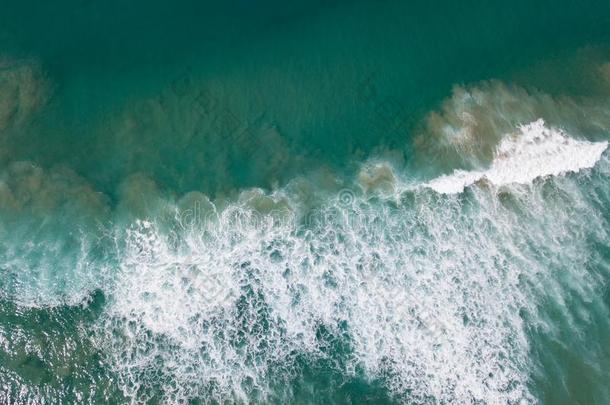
[[304, 202]]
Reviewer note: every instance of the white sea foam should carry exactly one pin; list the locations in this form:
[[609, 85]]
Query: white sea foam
[[535, 151], [217, 314], [227, 308], [229, 305]]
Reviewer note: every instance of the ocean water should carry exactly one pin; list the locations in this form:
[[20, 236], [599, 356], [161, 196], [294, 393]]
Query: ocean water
[[257, 201]]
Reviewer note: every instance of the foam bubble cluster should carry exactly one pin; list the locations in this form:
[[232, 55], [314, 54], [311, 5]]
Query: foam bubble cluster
[[428, 291], [227, 309]]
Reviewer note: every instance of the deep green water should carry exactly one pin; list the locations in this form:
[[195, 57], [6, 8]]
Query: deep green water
[[304, 202]]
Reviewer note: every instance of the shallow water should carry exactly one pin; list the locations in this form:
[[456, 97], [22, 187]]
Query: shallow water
[[316, 202]]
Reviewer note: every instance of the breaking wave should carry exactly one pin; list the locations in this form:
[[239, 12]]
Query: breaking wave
[[228, 309], [429, 291], [535, 151]]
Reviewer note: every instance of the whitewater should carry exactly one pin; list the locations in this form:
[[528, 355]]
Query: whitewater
[[437, 286]]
